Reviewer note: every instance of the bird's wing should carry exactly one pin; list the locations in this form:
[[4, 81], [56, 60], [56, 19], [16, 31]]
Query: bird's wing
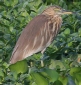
[[34, 38]]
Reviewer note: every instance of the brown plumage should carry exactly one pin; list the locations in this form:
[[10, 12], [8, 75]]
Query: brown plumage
[[38, 34]]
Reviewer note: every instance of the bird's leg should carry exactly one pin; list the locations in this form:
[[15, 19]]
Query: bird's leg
[[42, 63], [31, 64]]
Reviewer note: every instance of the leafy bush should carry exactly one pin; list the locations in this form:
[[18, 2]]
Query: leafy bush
[[62, 64]]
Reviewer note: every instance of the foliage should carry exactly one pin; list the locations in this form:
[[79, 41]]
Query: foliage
[[61, 66]]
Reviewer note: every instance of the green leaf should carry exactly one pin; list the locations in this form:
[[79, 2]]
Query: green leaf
[[79, 31], [1, 73], [34, 83], [55, 63], [39, 79], [75, 70], [63, 79], [19, 67], [67, 31], [57, 83], [78, 78], [52, 74]]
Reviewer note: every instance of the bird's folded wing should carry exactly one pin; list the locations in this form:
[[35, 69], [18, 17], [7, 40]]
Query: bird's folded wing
[[34, 38]]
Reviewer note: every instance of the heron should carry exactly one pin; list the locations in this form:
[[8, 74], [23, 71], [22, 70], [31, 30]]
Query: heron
[[39, 33]]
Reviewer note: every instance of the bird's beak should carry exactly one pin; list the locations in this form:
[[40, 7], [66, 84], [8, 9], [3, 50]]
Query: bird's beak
[[66, 12]]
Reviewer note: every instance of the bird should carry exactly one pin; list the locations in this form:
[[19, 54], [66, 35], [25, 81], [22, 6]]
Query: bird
[[39, 33]]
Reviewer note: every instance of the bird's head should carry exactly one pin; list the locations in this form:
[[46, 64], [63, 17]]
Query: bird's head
[[56, 10]]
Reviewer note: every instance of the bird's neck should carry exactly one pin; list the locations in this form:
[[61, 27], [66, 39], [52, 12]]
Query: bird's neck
[[53, 18]]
